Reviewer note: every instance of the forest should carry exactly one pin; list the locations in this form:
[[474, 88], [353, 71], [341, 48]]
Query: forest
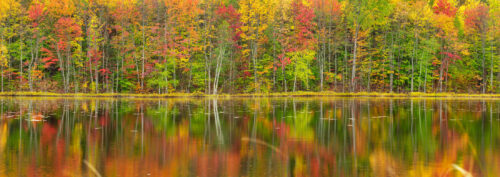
[[249, 46]]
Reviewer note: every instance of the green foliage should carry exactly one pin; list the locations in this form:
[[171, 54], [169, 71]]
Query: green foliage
[[301, 64]]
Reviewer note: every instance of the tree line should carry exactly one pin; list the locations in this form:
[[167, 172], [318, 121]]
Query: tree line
[[249, 46]]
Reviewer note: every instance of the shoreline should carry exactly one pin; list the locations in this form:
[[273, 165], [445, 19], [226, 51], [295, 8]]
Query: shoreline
[[250, 95]]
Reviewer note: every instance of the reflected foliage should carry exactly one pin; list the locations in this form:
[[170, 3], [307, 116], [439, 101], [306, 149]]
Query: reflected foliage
[[249, 137]]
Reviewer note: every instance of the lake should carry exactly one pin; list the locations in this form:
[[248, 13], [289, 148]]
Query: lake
[[249, 137]]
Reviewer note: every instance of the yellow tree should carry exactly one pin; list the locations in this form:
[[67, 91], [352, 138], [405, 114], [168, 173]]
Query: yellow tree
[[3, 59], [256, 16], [7, 6], [3, 50], [182, 33], [494, 24], [10, 29]]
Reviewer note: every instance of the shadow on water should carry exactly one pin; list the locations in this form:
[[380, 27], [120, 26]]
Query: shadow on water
[[249, 137]]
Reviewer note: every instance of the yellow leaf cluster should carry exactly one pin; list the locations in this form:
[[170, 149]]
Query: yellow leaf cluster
[[444, 23], [59, 8], [256, 16], [115, 3], [6, 6], [3, 56]]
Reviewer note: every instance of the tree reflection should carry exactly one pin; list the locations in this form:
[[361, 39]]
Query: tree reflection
[[249, 137]]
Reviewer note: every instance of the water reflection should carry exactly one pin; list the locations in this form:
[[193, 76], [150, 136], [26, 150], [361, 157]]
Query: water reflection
[[249, 137]]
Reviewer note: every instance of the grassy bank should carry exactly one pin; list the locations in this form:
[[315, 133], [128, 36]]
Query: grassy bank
[[288, 94]]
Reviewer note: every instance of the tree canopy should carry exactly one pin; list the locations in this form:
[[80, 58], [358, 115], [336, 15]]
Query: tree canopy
[[240, 46]]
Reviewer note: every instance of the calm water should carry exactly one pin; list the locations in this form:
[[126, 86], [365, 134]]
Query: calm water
[[249, 137]]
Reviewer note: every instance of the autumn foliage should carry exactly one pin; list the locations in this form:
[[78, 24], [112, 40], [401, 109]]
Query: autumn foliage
[[242, 46]]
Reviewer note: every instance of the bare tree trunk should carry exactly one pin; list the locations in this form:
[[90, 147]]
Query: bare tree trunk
[[425, 81], [284, 76], [391, 64], [321, 66], [412, 60], [68, 69], [322, 47], [67, 72], [255, 49], [491, 67], [1, 45], [353, 72], [355, 50], [295, 76], [122, 64], [96, 75], [89, 56], [61, 66], [344, 74], [34, 57], [420, 72], [483, 63], [330, 59], [2, 77], [166, 50], [369, 75], [274, 58], [441, 73], [143, 45], [21, 61], [218, 68], [208, 54]]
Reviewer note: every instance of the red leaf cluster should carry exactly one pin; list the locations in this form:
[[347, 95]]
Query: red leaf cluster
[[450, 56], [283, 60], [66, 27], [444, 7], [95, 55], [104, 71], [232, 16], [36, 13], [332, 7], [476, 17], [304, 17], [49, 58]]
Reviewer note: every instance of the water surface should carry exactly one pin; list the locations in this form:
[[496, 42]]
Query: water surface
[[249, 137]]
